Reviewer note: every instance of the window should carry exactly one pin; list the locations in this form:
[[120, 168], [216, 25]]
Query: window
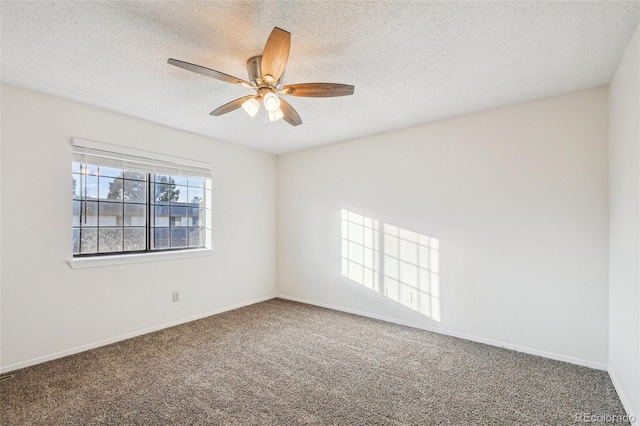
[[127, 201]]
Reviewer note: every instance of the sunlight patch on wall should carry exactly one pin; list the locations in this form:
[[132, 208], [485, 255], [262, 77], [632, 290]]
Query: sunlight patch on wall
[[360, 251], [398, 263]]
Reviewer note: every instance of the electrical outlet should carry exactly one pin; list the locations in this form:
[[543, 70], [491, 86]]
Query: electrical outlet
[[176, 296]]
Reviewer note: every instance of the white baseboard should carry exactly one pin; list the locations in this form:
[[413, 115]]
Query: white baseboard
[[109, 341], [623, 398], [517, 348], [544, 354]]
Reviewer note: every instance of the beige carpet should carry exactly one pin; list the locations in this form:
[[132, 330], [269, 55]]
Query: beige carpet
[[286, 363]]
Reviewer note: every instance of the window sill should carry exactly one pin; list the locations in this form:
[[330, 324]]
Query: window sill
[[98, 261]]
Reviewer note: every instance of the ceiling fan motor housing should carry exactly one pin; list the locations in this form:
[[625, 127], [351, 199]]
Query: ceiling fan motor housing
[[254, 68]]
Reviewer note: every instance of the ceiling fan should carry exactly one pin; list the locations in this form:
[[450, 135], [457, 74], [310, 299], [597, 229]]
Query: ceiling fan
[[265, 75]]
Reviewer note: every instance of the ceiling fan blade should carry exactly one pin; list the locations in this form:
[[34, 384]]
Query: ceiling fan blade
[[231, 106], [208, 72], [276, 54], [317, 90], [290, 115]]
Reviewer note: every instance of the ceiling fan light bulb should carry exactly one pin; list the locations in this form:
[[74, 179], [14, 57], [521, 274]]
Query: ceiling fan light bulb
[[271, 102], [251, 106], [275, 115]]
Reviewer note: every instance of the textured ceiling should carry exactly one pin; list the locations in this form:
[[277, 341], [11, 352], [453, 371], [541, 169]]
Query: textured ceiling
[[410, 61]]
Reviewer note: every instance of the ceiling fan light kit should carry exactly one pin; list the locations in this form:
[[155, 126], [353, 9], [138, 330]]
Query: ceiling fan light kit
[[275, 115], [251, 106], [265, 75], [271, 102]]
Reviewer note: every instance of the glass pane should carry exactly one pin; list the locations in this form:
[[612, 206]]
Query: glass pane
[[178, 237], [90, 190], [160, 178], [110, 240], [135, 190], [135, 215], [196, 195], [161, 217], [110, 171], [196, 237], [180, 194], [88, 240], [75, 167], [134, 239], [196, 182], [110, 214], [76, 213], [132, 174], [160, 238], [110, 188], [76, 185], [89, 169], [76, 240], [165, 192], [178, 215], [158, 194], [88, 213], [180, 180], [196, 216]]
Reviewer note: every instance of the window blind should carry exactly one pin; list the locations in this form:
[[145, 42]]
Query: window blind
[[89, 152]]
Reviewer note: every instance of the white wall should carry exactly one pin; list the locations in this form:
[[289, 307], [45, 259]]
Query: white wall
[[49, 309], [518, 198], [624, 225]]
